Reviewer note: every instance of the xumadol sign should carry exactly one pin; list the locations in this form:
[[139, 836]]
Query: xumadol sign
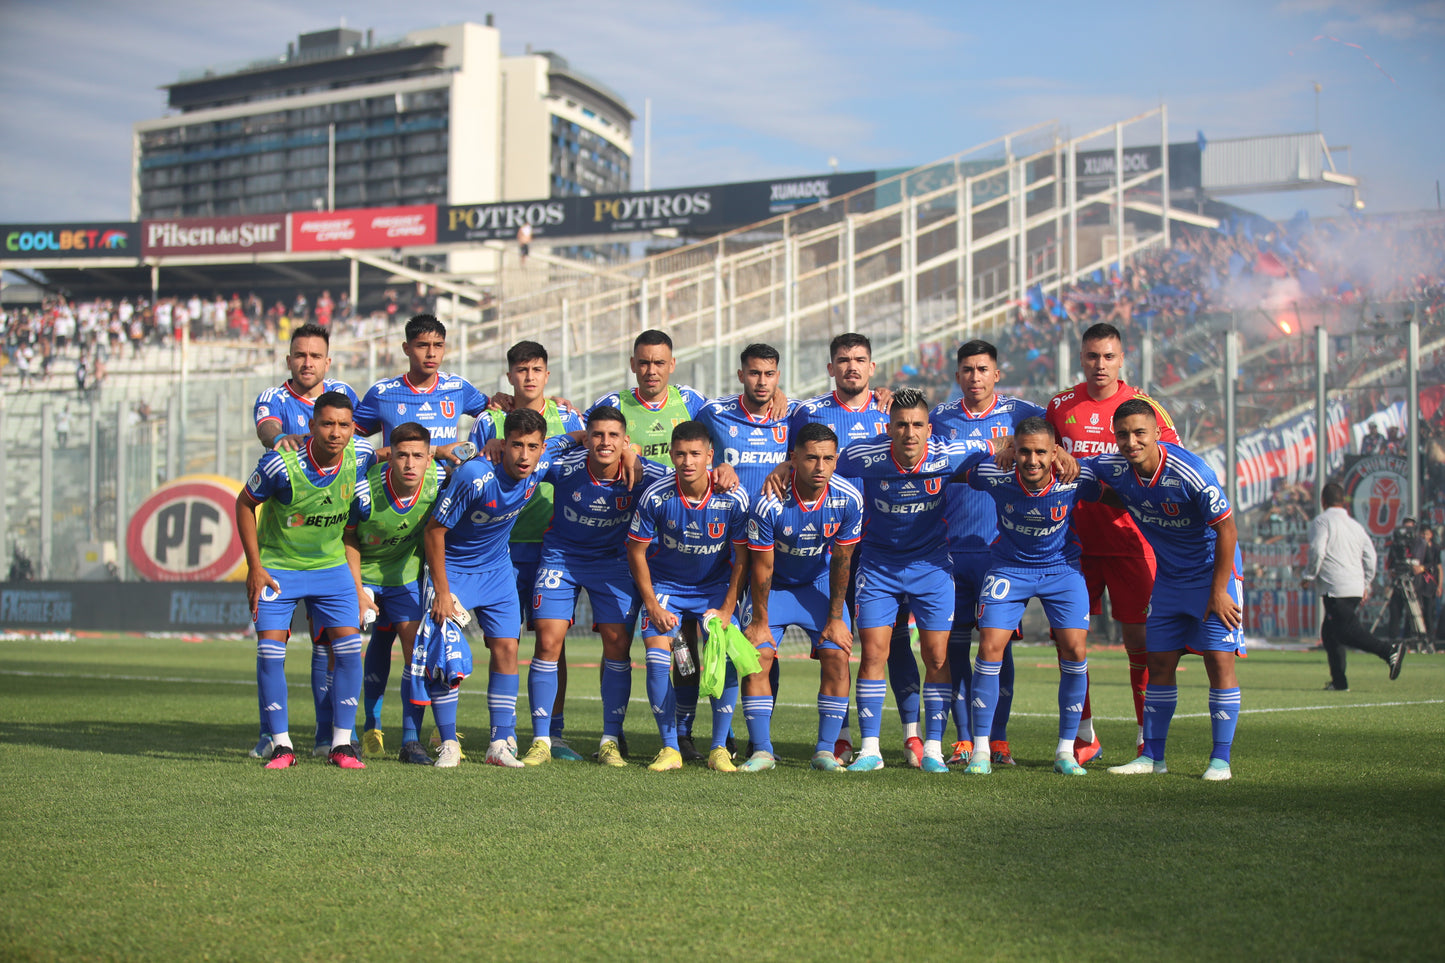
[[185, 531]]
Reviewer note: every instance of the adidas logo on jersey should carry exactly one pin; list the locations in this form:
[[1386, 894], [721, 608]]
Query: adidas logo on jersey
[[599, 503], [1071, 420], [809, 527], [693, 527], [1034, 513], [657, 426], [426, 406]]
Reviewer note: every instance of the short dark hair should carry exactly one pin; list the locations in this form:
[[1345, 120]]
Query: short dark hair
[[1332, 494], [524, 351], [651, 336], [409, 431], [845, 341], [814, 431], [691, 431], [606, 413], [1033, 425], [424, 324], [1103, 331], [1135, 406], [970, 348], [524, 421], [909, 398], [762, 352], [332, 399], [311, 330]]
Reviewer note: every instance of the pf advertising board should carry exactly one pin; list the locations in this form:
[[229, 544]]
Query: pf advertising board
[[364, 227], [256, 234], [185, 531], [35, 242]]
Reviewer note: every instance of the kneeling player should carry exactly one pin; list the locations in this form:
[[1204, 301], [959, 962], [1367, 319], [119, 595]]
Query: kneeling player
[[294, 553], [1183, 512], [678, 551], [802, 549], [1036, 555]]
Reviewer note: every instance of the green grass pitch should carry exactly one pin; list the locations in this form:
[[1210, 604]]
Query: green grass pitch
[[136, 827]]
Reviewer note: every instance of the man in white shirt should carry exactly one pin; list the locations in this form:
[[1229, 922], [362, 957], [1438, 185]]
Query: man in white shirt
[[1341, 566]]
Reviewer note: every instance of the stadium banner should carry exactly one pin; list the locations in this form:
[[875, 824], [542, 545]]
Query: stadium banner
[[364, 227], [174, 237], [185, 531], [705, 210], [1279, 613], [1094, 169], [125, 607], [1283, 455], [35, 242]]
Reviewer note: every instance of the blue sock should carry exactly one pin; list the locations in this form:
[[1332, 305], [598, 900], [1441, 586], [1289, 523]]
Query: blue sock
[[502, 704], [346, 681], [559, 716], [870, 707], [722, 707], [999, 731], [444, 709], [616, 690], [758, 711], [961, 668], [376, 671], [985, 697], [774, 675], [685, 697], [661, 696], [271, 684], [542, 696], [936, 697], [832, 710], [413, 706], [1159, 702], [1073, 683], [903, 672], [321, 693], [1223, 717], [260, 701]]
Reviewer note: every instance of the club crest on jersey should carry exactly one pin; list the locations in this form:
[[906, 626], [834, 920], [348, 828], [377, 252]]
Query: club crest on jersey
[[576, 496], [400, 408], [881, 427], [933, 485], [1000, 431], [733, 431], [830, 529], [449, 409], [1059, 512], [787, 529], [716, 529], [1094, 418], [622, 502], [1170, 508], [780, 433]]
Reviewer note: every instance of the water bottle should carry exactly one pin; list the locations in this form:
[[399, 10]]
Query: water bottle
[[682, 658], [464, 452]]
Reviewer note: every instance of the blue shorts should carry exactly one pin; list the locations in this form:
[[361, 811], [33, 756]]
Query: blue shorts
[[525, 558], [492, 597], [805, 606], [684, 602], [398, 603], [1007, 589], [969, 572], [608, 583], [924, 585], [1174, 622], [329, 593]]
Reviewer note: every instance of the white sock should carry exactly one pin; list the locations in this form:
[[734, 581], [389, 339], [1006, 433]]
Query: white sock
[[980, 748], [870, 747], [1086, 729], [933, 749], [605, 740], [910, 731], [1140, 740], [282, 739], [547, 740], [340, 737], [1065, 750]]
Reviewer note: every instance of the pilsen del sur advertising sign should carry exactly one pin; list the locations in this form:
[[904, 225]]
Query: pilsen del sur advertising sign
[[179, 237]]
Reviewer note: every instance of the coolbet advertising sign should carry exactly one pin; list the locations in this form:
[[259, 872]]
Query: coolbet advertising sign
[[257, 234], [364, 227], [41, 241]]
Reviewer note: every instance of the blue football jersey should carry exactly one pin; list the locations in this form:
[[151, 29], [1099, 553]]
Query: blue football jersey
[[271, 480], [849, 424], [1034, 528], [1175, 509], [481, 505], [590, 515], [903, 507], [690, 541], [753, 446], [284, 405], [802, 536], [438, 409], [972, 516]]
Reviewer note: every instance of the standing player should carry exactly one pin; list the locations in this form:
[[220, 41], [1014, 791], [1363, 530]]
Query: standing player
[[283, 421], [979, 415], [585, 548], [802, 549], [678, 551], [467, 555], [1115, 556], [904, 563], [1180, 507], [425, 394], [383, 544], [528, 374], [295, 552], [1036, 554]]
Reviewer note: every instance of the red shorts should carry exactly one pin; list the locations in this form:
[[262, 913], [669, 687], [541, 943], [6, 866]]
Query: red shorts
[[1129, 579]]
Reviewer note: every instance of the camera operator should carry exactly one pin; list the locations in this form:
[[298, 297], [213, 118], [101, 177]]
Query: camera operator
[[1428, 583], [1406, 565]]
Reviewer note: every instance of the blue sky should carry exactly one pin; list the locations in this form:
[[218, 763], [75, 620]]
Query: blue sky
[[751, 90]]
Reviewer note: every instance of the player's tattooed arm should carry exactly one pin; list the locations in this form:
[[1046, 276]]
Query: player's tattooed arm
[[434, 546], [836, 629], [1220, 603], [758, 631], [662, 620], [257, 578], [1003, 452]]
